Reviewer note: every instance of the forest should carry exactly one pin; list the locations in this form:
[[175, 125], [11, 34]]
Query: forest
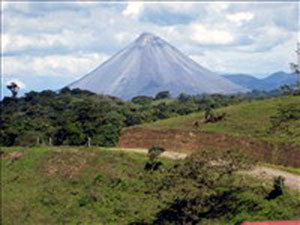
[[72, 117]]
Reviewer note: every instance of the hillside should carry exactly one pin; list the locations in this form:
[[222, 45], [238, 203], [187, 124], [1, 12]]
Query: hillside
[[68, 185], [247, 125]]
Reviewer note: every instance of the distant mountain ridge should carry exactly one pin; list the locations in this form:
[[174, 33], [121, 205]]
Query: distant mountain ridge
[[150, 65], [273, 81]]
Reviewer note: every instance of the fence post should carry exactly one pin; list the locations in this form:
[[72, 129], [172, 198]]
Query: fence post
[[38, 140], [50, 141], [89, 142]]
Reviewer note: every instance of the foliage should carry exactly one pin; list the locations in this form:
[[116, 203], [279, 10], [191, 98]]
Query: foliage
[[142, 100], [14, 88], [162, 95], [286, 122], [96, 186], [153, 153], [205, 187], [286, 113], [278, 188], [70, 117]]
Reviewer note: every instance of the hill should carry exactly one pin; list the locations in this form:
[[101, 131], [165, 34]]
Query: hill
[[273, 81], [68, 185], [254, 126], [150, 65]]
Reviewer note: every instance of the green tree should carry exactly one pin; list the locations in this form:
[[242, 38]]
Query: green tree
[[162, 95], [14, 88], [153, 153]]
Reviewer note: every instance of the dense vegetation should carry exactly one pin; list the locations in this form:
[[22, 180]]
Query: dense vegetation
[[71, 117], [65, 185]]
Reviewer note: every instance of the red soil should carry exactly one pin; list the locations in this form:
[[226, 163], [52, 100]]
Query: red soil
[[193, 140]]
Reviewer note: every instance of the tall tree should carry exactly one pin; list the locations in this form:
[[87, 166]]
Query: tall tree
[[14, 88]]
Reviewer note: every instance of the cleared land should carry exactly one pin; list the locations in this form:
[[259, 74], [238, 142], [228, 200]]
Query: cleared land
[[248, 126]]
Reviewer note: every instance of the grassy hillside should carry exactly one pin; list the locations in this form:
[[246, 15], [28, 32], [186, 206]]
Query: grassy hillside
[[75, 186], [247, 119], [66, 185]]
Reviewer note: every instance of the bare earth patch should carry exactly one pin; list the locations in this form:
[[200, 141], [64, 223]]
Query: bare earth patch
[[66, 164], [187, 141]]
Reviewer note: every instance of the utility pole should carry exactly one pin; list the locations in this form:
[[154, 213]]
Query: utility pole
[[295, 67]]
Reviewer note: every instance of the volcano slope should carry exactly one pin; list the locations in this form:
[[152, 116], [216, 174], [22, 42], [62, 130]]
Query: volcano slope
[[149, 65], [250, 126]]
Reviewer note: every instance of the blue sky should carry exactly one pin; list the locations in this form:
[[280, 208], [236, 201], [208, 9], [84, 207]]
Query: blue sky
[[49, 45]]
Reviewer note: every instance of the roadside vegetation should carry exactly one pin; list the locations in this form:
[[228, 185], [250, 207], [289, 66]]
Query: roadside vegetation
[[80, 185]]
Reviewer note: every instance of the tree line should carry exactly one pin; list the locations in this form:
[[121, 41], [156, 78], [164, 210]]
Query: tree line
[[71, 117]]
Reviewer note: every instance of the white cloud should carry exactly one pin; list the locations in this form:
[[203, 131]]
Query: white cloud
[[133, 10], [240, 18], [19, 42], [220, 6], [71, 41], [267, 37], [202, 35], [122, 37], [65, 39], [54, 65], [232, 61]]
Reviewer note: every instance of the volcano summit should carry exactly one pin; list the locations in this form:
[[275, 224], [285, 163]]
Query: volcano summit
[[150, 65]]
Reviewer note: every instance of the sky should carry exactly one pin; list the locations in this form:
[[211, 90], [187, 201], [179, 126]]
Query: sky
[[49, 45]]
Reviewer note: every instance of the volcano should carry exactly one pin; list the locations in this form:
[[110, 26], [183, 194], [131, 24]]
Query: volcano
[[150, 65]]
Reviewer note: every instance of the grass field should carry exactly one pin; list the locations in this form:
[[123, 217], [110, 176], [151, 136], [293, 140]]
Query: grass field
[[248, 119], [75, 186], [66, 185]]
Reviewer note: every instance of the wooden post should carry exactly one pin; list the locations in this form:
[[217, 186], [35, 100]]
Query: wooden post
[[38, 140], [50, 141], [89, 142]]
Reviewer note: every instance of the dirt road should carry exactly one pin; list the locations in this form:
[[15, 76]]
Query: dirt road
[[268, 174], [291, 180]]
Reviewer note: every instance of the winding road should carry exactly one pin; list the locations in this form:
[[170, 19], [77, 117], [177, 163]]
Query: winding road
[[268, 174]]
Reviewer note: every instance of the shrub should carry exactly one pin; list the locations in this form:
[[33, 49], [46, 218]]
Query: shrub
[[153, 163]]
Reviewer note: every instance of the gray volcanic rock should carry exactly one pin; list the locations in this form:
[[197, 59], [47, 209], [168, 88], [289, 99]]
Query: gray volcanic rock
[[150, 65]]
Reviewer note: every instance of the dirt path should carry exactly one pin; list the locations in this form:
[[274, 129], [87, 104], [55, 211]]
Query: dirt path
[[291, 180], [166, 154]]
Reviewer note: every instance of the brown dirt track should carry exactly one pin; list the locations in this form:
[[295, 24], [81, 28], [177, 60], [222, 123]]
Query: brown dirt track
[[187, 141]]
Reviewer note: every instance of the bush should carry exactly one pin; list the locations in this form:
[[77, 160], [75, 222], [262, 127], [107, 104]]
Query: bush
[[153, 163], [278, 188], [203, 186], [285, 114], [162, 95]]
